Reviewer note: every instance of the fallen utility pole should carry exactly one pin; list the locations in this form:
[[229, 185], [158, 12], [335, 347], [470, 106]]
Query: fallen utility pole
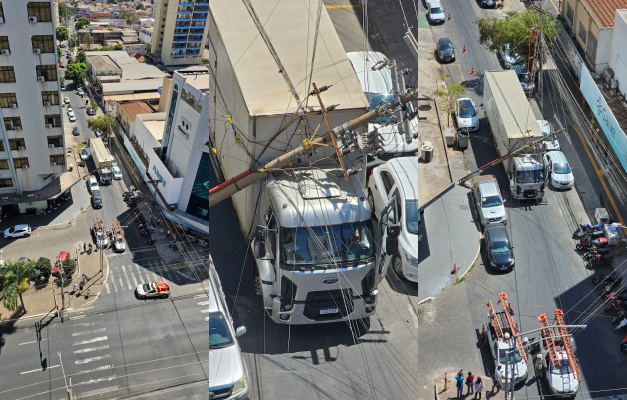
[[247, 178], [501, 159]]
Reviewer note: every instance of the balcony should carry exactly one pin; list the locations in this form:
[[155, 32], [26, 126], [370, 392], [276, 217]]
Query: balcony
[[178, 47], [183, 25], [179, 40], [195, 39], [180, 32], [198, 27], [186, 4], [199, 18], [194, 53], [202, 3], [201, 10], [182, 18], [183, 11], [193, 46], [177, 55]]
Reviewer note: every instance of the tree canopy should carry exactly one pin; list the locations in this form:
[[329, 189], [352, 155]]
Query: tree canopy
[[495, 33], [62, 33], [88, 40], [71, 43], [140, 6], [76, 72], [81, 57], [81, 23], [16, 275], [101, 124], [64, 12], [448, 98], [59, 52]]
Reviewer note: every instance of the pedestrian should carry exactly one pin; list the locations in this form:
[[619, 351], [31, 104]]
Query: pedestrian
[[170, 244], [479, 386], [84, 247], [470, 382], [81, 286], [168, 234], [87, 295], [460, 383], [483, 337], [74, 286], [84, 278], [496, 380], [90, 246]]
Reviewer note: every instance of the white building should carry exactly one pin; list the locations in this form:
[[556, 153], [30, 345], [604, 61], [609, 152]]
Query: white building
[[146, 22], [32, 146], [145, 35]]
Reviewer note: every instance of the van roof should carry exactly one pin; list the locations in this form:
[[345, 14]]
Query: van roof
[[407, 170], [488, 188], [557, 156], [371, 81]]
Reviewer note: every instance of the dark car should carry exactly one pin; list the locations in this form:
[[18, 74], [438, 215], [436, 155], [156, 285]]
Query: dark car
[[499, 247], [76, 131], [96, 200], [487, 3], [445, 50], [90, 111]]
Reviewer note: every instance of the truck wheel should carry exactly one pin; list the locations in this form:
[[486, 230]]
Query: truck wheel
[[371, 203], [623, 348], [397, 265]]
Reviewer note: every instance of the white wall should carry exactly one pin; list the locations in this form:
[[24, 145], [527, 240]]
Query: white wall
[[169, 187], [135, 48], [603, 50], [618, 50], [144, 37], [145, 138]]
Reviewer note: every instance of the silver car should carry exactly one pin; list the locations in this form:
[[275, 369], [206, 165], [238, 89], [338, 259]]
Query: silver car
[[489, 203]]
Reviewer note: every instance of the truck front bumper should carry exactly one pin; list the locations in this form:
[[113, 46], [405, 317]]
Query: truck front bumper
[[301, 312]]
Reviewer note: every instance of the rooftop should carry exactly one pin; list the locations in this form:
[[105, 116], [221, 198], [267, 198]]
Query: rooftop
[[134, 108], [265, 90], [197, 77], [102, 62], [132, 70], [605, 10], [156, 128]]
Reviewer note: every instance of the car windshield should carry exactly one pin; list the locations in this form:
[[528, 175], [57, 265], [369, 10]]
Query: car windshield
[[411, 215], [377, 98], [491, 201], [522, 77], [514, 356], [436, 10], [561, 168], [499, 247], [466, 110], [219, 335], [445, 46], [530, 176], [146, 288], [317, 245], [564, 369], [12, 229]]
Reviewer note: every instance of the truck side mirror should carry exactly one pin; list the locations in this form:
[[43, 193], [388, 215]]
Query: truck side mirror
[[240, 331], [260, 242], [391, 243]]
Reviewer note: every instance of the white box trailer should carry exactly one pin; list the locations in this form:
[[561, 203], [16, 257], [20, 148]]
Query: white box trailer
[[101, 157], [253, 95]]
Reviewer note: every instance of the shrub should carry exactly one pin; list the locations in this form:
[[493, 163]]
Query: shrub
[[45, 269], [69, 265]]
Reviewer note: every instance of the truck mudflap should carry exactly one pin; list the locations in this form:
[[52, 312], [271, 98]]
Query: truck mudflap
[[323, 307]]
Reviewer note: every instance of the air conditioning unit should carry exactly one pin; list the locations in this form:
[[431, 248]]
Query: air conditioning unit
[[46, 104], [32, 19], [36, 51], [6, 52], [48, 125], [12, 105], [21, 148], [18, 128], [25, 166], [51, 146], [41, 79], [53, 163]]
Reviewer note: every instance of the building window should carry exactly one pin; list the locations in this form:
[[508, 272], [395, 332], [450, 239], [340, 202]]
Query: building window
[[162, 19], [52, 96], [163, 26], [11, 122], [582, 32], [1, 11], [168, 127], [45, 43], [15, 144], [57, 158], [4, 43], [57, 141], [199, 198], [570, 13], [591, 49], [20, 161], [46, 176], [191, 100], [49, 72], [6, 99], [54, 120], [4, 164], [6, 182], [1, 145], [7, 74], [40, 10]]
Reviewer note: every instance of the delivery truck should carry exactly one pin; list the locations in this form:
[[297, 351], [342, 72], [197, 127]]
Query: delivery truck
[[102, 160]]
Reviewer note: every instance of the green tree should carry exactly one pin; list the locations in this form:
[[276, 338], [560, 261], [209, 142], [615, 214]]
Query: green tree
[[62, 33], [88, 40], [16, 276], [81, 57], [94, 105], [112, 2], [140, 6], [59, 52], [62, 79], [64, 11], [69, 266], [102, 124], [514, 30], [76, 72], [45, 268], [131, 18], [71, 43], [81, 23], [448, 97], [149, 48]]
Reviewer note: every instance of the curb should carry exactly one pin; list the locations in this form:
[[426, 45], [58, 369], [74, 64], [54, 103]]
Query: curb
[[97, 296]]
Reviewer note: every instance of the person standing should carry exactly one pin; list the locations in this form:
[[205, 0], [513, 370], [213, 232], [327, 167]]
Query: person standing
[[496, 382], [470, 382], [460, 383], [479, 386]]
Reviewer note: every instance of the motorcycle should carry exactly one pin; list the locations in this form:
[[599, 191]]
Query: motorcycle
[[203, 243], [145, 233], [623, 346], [591, 235], [48, 210], [621, 315], [613, 279], [600, 262], [141, 225], [585, 228], [598, 255], [592, 243], [41, 212]]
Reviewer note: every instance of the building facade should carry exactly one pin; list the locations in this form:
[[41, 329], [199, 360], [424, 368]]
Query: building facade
[[180, 31], [32, 147]]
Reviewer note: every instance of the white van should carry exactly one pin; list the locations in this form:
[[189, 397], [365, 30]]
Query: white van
[[558, 170], [399, 177], [378, 87], [228, 373], [436, 12]]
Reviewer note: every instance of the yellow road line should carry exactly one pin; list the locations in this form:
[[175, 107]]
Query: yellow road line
[[600, 174], [344, 6], [460, 71]]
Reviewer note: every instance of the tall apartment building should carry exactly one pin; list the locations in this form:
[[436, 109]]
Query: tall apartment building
[[180, 31], [32, 146]]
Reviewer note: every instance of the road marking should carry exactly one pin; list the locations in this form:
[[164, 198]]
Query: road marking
[[133, 276], [38, 370], [88, 360], [186, 276], [89, 350], [204, 311], [163, 270], [77, 317], [34, 341], [86, 332], [121, 283], [203, 303], [199, 296], [600, 174], [115, 287], [89, 382], [107, 287], [88, 323], [460, 70], [343, 6], [127, 279], [101, 368], [99, 391], [98, 339]]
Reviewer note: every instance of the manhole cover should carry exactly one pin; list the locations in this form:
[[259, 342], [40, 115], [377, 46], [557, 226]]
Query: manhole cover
[[464, 207], [424, 107]]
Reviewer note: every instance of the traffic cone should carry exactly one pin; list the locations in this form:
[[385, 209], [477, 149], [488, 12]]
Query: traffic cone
[[464, 51], [473, 71], [449, 16]]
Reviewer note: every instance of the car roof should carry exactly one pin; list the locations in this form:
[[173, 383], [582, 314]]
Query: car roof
[[497, 232], [406, 169], [545, 126], [435, 4], [557, 156], [21, 226], [444, 40], [96, 194], [92, 178], [371, 81], [488, 188], [520, 69]]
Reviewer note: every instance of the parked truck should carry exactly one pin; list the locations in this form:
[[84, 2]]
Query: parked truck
[[102, 160], [513, 126]]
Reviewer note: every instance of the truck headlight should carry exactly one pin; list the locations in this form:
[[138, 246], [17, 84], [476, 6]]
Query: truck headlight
[[411, 260], [240, 385]]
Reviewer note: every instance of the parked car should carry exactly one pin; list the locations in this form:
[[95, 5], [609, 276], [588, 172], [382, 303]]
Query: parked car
[[436, 12], [66, 100], [96, 200], [61, 65], [489, 203], [76, 131], [546, 128], [445, 50], [398, 177], [90, 111], [72, 118], [84, 154], [80, 92], [93, 184], [58, 264], [524, 77], [487, 3], [509, 57], [466, 114], [17, 231], [62, 45], [63, 87], [70, 111], [499, 247], [557, 168], [37, 274], [117, 173], [68, 52]]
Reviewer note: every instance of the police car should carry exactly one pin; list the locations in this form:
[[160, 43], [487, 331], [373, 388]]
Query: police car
[[153, 290]]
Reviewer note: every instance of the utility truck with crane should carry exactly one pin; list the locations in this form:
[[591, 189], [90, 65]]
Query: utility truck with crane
[[102, 160]]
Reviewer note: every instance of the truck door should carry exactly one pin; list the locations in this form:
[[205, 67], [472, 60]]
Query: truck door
[[386, 218]]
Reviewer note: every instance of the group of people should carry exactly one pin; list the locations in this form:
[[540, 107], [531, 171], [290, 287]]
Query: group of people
[[476, 386], [81, 285]]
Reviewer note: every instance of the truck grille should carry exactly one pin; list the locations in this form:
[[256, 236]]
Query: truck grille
[[219, 393], [494, 219], [327, 299], [529, 194], [391, 155]]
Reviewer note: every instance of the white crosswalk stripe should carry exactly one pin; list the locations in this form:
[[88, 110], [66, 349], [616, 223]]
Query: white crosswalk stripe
[[115, 287], [90, 349], [107, 287], [127, 278], [133, 273], [92, 359], [98, 339], [203, 303], [204, 311], [87, 332]]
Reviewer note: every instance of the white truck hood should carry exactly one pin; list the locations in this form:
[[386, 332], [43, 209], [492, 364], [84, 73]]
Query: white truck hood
[[393, 141], [225, 366], [562, 382], [493, 212]]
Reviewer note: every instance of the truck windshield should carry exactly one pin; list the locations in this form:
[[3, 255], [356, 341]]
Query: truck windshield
[[514, 356], [491, 201], [530, 176], [375, 100], [325, 244], [219, 335], [564, 369], [411, 215]]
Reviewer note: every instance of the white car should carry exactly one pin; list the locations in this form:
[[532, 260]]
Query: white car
[[101, 239], [117, 174], [398, 177], [17, 231], [436, 12], [557, 168], [377, 86], [93, 184], [80, 92], [66, 100], [72, 118], [560, 376], [466, 114], [70, 111], [550, 144], [84, 155], [119, 245]]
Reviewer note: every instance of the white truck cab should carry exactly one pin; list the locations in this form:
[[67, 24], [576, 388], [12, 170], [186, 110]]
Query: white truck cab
[[526, 177], [561, 378]]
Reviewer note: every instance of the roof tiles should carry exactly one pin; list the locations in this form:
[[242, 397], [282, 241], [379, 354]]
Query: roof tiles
[[605, 10]]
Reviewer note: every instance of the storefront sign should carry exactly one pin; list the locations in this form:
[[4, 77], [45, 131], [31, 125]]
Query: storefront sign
[[136, 160]]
